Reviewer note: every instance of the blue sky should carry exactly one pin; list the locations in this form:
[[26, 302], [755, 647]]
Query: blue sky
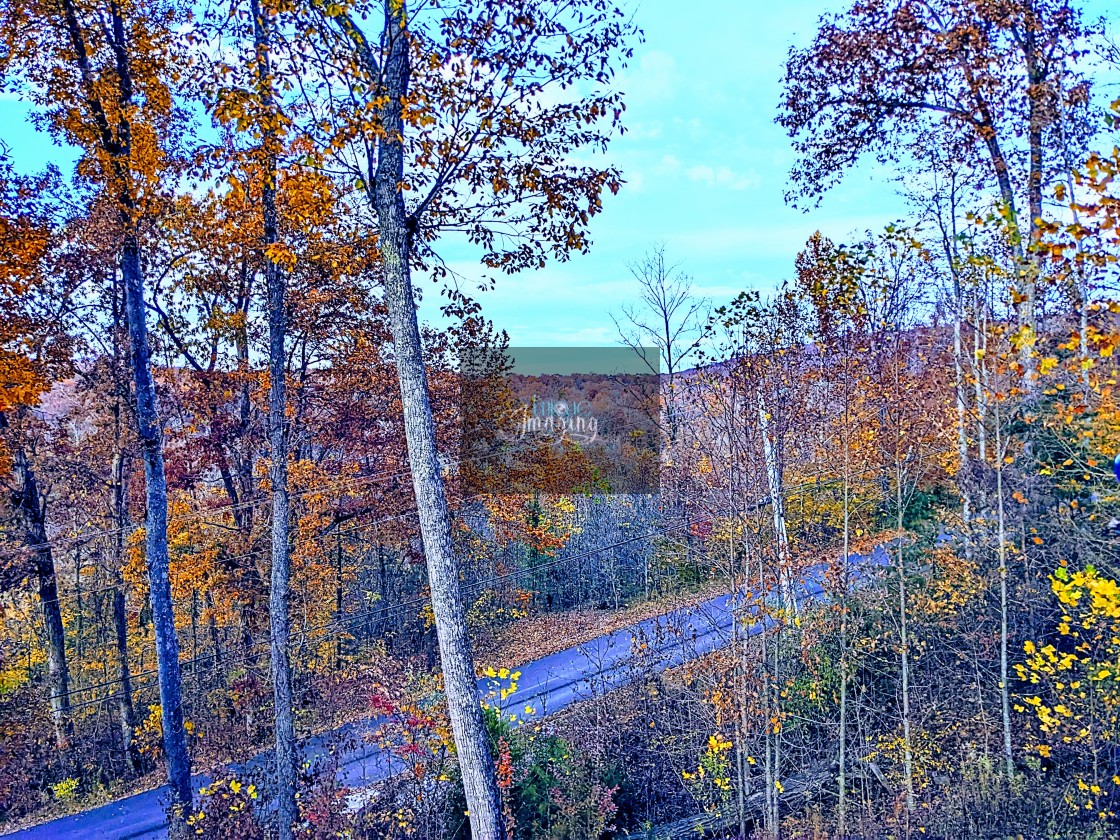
[[706, 168]]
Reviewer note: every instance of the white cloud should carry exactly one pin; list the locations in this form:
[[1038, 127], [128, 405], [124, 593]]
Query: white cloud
[[774, 238], [693, 128], [635, 180], [653, 78], [575, 336], [642, 130], [669, 163], [722, 176]]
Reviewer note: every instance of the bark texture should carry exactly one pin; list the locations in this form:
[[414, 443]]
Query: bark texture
[[468, 728], [126, 717], [30, 511], [117, 146], [279, 592], [150, 438]]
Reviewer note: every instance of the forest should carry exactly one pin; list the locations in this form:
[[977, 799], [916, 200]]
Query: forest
[[293, 544]]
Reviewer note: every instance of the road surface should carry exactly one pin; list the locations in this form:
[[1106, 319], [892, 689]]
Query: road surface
[[545, 686]]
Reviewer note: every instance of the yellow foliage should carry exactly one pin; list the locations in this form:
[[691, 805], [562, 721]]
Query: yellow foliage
[[955, 583], [711, 781], [1075, 702]]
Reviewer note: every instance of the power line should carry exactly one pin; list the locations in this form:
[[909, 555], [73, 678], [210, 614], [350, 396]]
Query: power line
[[202, 513], [256, 552], [385, 610], [342, 621], [198, 513], [266, 549], [393, 608]]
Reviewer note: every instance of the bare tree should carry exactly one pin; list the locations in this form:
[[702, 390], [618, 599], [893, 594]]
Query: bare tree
[[669, 317]]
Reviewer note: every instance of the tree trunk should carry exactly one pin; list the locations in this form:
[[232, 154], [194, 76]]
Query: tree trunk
[[119, 515], [30, 509], [979, 364], [1004, 688], [279, 595], [962, 416], [1027, 274], [1036, 121], [842, 777], [1006, 193], [778, 510], [737, 618], [217, 657], [126, 716], [239, 479], [117, 149], [904, 652], [766, 697], [150, 437], [467, 724], [1081, 285], [775, 685]]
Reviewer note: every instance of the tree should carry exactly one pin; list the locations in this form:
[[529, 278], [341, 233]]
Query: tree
[[829, 285], [671, 319], [100, 74], [29, 505], [279, 621], [450, 112], [1071, 695], [888, 75], [435, 525], [32, 350]]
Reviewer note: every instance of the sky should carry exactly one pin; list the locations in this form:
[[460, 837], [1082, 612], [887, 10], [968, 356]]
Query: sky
[[705, 168]]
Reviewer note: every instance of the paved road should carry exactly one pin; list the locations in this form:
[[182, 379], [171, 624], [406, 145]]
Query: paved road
[[546, 686]]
